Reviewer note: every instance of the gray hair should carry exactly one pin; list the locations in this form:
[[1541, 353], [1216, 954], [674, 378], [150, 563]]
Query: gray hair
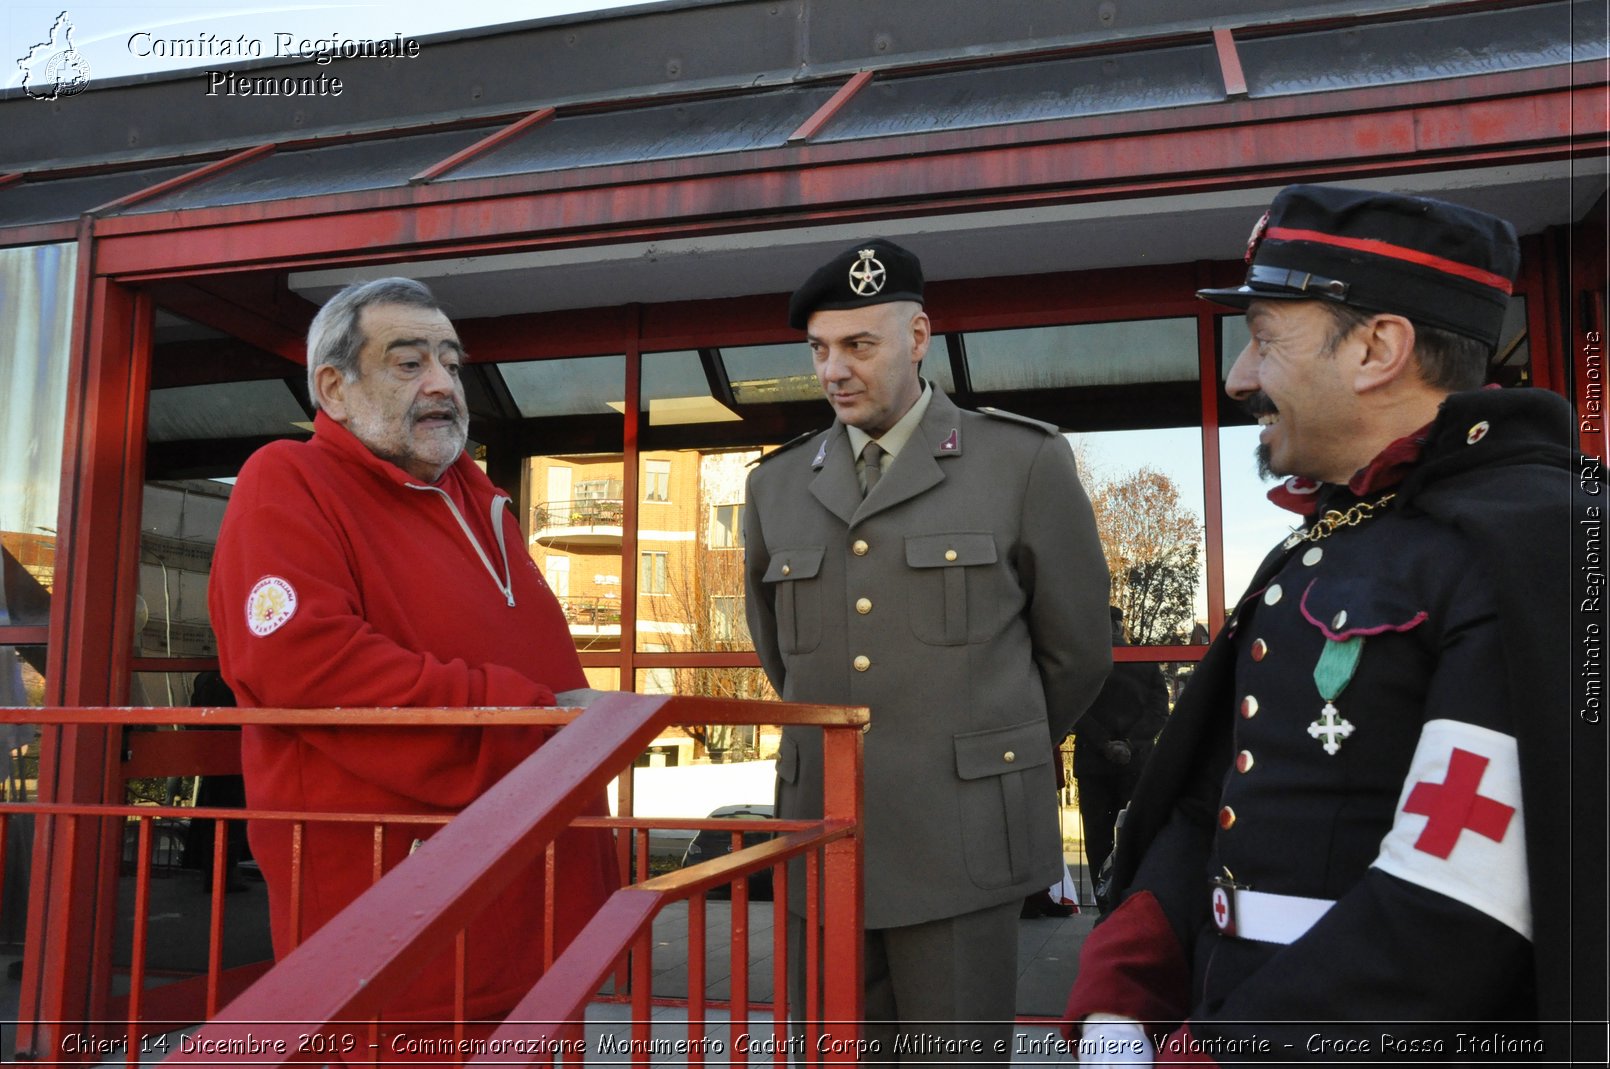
[[334, 338]]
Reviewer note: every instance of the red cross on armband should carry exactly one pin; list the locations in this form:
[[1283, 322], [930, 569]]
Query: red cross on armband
[[1460, 829], [1453, 806]]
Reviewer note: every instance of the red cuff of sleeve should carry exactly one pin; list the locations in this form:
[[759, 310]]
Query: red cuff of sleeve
[[1132, 965], [1181, 1048]]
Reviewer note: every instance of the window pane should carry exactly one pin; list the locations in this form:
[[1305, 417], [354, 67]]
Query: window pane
[[768, 373], [1399, 52], [1086, 354], [22, 680], [573, 488], [698, 536], [1252, 525], [586, 385], [1090, 376], [27, 574], [575, 520], [265, 408], [1146, 488], [36, 305], [730, 123], [179, 525], [1026, 92]]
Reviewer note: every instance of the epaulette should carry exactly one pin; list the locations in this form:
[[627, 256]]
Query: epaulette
[[1013, 417], [785, 447]]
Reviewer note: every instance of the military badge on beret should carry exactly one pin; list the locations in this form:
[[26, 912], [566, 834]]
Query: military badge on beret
[[875, 271]]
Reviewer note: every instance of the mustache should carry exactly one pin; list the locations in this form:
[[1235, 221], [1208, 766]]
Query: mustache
[[428, 411], [1258, 404]]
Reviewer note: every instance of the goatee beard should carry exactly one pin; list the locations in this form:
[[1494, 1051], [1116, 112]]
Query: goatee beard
[[1265, 471]]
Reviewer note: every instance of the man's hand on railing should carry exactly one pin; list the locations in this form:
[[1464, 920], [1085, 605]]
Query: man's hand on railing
[[580, 698]]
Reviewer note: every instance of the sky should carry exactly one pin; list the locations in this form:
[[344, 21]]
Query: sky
[[116, 39], [1251, 524]]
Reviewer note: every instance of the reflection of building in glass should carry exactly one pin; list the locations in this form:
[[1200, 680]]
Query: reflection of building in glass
[[689, 580], [689, 564], [178, 529]]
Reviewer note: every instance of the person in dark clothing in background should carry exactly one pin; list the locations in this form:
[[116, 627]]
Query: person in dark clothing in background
[[225, 792], [1112, 742]]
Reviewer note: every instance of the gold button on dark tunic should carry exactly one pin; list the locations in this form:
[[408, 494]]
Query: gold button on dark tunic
[[863, 605], [859, 548], [862, 663]]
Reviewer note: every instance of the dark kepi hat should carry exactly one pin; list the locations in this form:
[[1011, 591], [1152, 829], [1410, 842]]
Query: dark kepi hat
[[876, 271], [1437, 263]]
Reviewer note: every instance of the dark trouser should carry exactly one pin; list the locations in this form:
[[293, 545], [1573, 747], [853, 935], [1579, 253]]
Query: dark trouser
[[1100, 799], [944, 990]]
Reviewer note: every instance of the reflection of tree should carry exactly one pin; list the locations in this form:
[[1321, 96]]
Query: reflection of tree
[[1151, 543], [708, 601], [706, 598]]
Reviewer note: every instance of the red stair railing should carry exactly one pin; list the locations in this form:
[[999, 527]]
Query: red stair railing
[[343, 974]]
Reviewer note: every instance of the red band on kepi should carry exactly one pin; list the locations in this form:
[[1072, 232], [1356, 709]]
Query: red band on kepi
[[1395, 252]]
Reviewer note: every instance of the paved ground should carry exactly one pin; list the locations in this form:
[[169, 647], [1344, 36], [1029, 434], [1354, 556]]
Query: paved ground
[[1048, 950]]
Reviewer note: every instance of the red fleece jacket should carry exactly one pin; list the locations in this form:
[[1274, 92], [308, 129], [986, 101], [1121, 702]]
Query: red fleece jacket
[[341, 580]]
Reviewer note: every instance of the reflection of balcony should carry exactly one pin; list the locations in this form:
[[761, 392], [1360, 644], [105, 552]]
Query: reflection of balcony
[[592, 616], [584, 521]]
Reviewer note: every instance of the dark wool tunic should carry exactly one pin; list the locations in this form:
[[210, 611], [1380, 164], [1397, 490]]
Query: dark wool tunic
[[1431, 803]]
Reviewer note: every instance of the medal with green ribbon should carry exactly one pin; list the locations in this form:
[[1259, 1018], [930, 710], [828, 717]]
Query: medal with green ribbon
[[1332, 674]]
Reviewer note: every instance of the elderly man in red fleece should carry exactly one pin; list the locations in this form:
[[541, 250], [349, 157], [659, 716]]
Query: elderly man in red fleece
[[377, 565]]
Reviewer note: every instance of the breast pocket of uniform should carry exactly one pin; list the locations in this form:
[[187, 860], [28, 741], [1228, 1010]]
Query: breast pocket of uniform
[[793, 576], [1351, 607], [941, 565]]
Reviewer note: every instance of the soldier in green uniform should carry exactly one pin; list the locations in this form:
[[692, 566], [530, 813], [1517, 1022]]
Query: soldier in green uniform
[[940, 567]]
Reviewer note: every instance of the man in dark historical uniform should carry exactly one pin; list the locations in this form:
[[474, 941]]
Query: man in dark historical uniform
[[942, 568], [1350, 841]]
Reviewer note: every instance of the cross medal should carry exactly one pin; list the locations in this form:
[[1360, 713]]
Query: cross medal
[[1334, 671]]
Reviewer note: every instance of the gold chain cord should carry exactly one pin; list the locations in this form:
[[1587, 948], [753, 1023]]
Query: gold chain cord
[[1336, 519]]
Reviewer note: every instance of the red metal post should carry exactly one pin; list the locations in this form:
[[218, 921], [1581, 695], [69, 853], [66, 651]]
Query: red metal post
[[73, 891], [630, 463], [779, 969], [696, 980], [486, 144], [142, 913], [832, 107], [843, 1001], [1207, 369], [738, 996], [215, 922], [1235, 82]]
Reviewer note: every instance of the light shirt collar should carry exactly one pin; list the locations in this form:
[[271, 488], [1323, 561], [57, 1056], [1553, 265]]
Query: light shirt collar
[[896, 437]]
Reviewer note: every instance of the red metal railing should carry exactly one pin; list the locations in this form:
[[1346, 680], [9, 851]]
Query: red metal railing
[[340, 979]]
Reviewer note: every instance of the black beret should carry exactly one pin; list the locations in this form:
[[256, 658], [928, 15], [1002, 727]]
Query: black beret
[[876, 271], [1437, 263]]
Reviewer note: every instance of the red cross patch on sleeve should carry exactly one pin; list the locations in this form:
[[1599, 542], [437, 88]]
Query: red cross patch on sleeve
[[1459, 828]]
